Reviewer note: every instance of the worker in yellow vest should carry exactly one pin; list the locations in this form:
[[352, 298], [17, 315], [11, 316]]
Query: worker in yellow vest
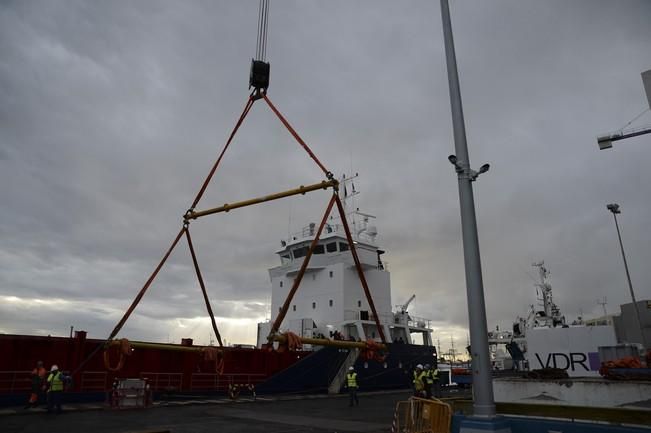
[[351, 384], [419, 381], [54, 389], [429, 381]]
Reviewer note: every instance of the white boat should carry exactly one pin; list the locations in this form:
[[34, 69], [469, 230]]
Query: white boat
[[545, 339]]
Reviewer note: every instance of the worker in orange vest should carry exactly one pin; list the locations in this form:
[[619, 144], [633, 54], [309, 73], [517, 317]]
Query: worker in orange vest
[[38, 384]]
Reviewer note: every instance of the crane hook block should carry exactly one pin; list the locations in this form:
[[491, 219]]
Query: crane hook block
[[259, 78]]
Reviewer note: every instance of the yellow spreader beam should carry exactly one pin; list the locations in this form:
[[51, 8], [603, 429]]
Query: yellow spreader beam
[[160, 346], [325, 184]]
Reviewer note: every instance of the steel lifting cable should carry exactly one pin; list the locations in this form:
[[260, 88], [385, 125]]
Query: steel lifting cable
[[263, 25], [266, 27], [257, 41]]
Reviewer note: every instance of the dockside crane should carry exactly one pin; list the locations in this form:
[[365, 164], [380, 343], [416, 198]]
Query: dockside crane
[[606, 141]]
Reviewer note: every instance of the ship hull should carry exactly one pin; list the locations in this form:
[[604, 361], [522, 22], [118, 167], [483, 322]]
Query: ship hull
[[176, 371]]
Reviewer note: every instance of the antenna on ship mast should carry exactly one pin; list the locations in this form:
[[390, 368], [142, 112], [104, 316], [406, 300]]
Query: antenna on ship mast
[[603, 305]]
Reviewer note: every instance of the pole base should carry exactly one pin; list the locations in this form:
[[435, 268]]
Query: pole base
[[496, 424]]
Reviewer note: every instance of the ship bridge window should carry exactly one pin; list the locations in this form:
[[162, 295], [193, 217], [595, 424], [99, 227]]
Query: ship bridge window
[[319, 249], [313, 305], [343, 246], [281, 284], [331, 247], [300, 252], [285, 258]]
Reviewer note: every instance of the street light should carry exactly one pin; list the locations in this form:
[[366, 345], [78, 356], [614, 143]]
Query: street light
[[482, 384], [614, 208]]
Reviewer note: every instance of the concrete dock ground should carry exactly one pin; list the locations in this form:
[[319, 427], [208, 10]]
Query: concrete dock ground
[[319, 413]]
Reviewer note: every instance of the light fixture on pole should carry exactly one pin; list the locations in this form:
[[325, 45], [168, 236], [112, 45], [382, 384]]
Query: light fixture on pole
[[614, 208]]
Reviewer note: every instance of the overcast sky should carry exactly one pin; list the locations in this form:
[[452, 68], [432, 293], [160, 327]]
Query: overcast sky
[[112, 113]]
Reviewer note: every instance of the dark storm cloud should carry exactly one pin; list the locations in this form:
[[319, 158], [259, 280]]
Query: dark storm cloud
[[113, 113]]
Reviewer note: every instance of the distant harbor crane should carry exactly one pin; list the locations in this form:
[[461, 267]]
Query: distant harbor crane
[[606, 141]]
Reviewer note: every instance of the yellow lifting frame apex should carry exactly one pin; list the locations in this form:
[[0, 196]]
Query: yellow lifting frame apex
[[324, 184]]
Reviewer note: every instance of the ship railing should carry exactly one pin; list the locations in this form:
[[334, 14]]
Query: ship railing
[[308, 232], [93, 381], [163, 381], [205, 381], [15, 381], [419, 322], [244, 378], [217, 382]]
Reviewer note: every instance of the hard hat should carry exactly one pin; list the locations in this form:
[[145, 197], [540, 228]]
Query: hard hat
[[54, 367], [427, 366], [419, 366], [351, 368]]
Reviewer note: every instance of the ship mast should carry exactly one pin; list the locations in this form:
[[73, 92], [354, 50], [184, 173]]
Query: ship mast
[[552, 312]]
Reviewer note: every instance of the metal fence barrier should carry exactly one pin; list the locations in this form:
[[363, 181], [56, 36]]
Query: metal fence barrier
[[419, 415]]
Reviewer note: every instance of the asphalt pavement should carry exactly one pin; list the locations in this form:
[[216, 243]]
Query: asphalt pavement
[[318, 414]]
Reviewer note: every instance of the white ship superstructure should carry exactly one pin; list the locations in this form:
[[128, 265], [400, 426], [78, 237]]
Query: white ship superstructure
[[330, 300], [543, 339]]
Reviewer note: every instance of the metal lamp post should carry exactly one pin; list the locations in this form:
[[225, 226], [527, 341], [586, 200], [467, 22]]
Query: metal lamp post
[[614, 208], [483, 402]]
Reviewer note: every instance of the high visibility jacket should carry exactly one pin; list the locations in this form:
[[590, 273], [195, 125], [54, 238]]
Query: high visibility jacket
[[419, 380], [429, 378], [351, 380], [40, 372], [435, 374], [55, 380]]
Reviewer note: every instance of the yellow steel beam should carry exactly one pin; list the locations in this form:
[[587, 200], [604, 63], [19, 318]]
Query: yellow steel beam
[[159, 346], [325, 184], [345, 344]]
